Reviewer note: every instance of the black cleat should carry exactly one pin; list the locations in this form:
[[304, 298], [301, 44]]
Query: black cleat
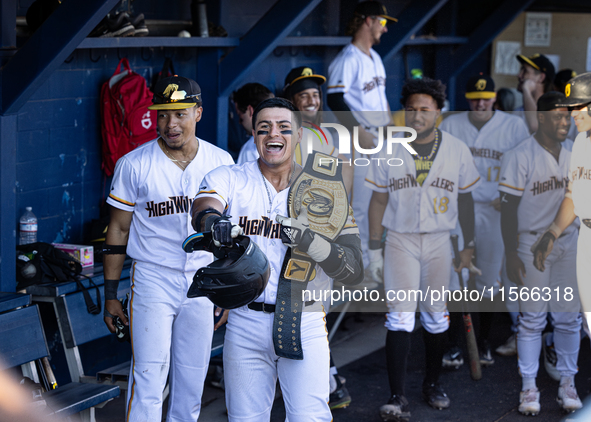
[[340, 398], [435, 396], [396, 410]]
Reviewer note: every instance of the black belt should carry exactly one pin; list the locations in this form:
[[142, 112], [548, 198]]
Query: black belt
[[269, 309], [536, 234]]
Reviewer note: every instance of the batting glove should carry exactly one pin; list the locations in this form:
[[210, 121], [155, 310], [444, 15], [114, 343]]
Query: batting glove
[[296, 232], [376, 265], [223, 231]]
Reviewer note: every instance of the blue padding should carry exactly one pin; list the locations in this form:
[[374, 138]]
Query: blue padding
[[76, 397], [78, 325], [21, 336], [9, 301]]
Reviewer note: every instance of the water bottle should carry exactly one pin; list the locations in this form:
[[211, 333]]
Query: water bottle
[[28, 227]]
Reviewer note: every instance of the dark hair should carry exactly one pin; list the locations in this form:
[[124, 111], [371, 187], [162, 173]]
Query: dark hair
[[277, 103], [548, 82], [251, 94], [354, 24], [427, 86], [505, 99]]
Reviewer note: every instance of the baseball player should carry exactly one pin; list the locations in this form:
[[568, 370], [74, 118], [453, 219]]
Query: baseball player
[[419, 202], [534, 176], [577, 201], [536, 76], [246, 98], [261, 342], [357, 91], [489, 134], [150, 199]]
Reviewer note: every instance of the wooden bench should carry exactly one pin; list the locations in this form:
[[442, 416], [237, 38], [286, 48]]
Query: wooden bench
[[22, 341]]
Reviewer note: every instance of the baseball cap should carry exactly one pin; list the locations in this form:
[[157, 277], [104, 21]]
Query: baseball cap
[[480, 87], [301, 78], [563, 77], [175, 93], [373, 8], [539, 62], [550, 100]]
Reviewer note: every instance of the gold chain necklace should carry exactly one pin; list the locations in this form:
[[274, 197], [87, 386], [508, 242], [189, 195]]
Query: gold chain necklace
[[433, 149], [181, 163]]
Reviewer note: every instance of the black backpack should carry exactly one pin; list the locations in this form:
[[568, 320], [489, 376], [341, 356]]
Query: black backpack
[[42, 263]]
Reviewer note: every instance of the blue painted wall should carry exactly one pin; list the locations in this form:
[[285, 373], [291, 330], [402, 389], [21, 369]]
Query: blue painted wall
[[59, 143]]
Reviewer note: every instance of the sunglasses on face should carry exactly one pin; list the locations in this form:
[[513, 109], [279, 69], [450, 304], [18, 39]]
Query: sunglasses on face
[[382, 21]]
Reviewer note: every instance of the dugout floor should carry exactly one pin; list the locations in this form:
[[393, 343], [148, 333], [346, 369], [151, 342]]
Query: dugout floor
[[359, 353]]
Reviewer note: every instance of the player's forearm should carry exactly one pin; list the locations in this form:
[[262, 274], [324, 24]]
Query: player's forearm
[[466, 218], [377, 207], [199, 214], [530, 107], [564, 217], [345, 260], [509, 225], [114, 258]]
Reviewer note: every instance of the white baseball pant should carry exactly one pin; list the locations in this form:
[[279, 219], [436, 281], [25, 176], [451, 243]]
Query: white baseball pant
[[168, 332]]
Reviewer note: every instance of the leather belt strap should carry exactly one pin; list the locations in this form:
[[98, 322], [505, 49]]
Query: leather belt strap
[[269, 309]]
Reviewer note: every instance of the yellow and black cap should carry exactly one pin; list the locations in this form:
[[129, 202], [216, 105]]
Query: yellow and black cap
[[480, 87], [539, 62], [175, 93], [301, 78], [373, 8], [577, 91]]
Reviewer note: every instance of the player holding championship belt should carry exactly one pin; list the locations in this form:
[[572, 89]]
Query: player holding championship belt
[[271, 338]]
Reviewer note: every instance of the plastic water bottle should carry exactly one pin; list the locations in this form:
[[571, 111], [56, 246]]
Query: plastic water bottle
[[28, 227]]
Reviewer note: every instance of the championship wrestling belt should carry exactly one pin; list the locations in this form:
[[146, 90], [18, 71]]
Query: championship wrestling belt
[[320, 189]]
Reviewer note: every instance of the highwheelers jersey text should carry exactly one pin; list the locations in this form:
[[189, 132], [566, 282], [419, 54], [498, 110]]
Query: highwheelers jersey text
[[501, 133], [160, 194], [453, 172], [532, 173]]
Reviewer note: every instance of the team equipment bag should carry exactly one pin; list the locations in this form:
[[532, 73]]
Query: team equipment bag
[[126, 122], [42, 263]]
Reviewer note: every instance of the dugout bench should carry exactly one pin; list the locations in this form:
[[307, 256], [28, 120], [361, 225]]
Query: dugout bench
[[78, 327], [22, 342]]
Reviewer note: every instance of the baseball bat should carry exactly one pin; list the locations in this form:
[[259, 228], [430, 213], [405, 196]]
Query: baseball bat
[[473, 356]]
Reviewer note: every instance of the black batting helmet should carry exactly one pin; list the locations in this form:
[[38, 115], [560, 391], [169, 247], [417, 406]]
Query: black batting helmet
[[234, 280], [577, 91]]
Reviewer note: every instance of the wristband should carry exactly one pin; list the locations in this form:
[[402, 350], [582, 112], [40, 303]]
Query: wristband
[[555, 230], [111, 289], [375, 244], [114, 249]]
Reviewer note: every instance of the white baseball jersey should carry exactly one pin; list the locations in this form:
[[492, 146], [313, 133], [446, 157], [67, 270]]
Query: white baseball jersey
[[580, 175], [309, 142], [168, 330], [244, 192], [248, 152], [160, 194], [363, 81], [500, 134], [533, 174], [432, 207]]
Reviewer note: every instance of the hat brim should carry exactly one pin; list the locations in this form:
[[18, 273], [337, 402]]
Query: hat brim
[[522, 59], [390, 18], [171, 106], [574, 102], [480, 95], [319, 79]]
